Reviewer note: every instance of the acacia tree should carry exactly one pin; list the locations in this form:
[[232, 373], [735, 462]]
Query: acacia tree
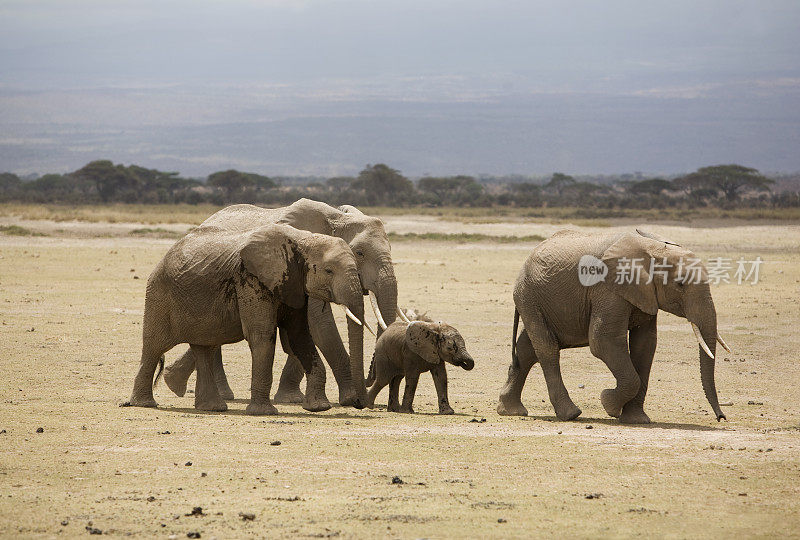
[[451, 190], [732, 180], [383, 185], [559, 182], [109, 179], [233, 181], [651, 186]]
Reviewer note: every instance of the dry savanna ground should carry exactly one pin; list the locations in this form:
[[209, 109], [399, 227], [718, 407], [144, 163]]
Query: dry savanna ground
[[70, 326]]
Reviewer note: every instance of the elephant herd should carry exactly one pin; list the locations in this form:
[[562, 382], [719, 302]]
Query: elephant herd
[[263, 275]]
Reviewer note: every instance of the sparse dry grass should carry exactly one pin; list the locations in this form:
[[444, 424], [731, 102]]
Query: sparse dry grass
[[70, 321], [463, 238], [113, 213], [16, 230]]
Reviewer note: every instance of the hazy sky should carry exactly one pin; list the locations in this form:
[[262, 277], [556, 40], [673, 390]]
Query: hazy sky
[[99, 65]]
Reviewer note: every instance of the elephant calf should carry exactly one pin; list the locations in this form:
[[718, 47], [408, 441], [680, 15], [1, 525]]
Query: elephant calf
[[407, 349]]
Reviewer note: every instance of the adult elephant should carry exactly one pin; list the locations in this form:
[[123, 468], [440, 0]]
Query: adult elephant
[[215, 286], [605, 291], [368, 241]]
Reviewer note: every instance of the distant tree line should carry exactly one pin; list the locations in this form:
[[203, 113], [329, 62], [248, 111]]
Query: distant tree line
[[724, 186]]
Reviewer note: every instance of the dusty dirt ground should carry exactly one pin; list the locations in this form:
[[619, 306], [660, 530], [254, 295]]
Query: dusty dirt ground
[[70, 328]]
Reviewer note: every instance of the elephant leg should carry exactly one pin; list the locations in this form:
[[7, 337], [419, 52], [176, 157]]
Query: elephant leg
[[381, 380], [439, 374], [142, 395], [612, 349], [219, 374], [329, 342], [262, 351], [260, 327], [511, 395], [206, 393], [292, 374], [289, 383], [546, 349], [177, 373], [642, 341], [315, 398], [408, 395], [394, 394]]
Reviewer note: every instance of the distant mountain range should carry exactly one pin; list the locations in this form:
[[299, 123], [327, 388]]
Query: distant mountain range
[[285, 131]]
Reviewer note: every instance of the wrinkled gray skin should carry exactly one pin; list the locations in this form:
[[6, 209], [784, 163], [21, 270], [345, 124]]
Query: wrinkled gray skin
[[616, 321], [215, 287], [408, 350], [368, 241]]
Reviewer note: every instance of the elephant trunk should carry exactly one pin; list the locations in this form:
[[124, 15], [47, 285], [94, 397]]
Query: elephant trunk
[[707, 323], [348, 293], [466, 362], [355, 335], [386, 293]]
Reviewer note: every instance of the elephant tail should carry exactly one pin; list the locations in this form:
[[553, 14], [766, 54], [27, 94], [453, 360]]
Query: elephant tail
[[514, 357], [160, 371], [370, 380]]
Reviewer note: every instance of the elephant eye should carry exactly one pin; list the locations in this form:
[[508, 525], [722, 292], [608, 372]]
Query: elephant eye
[[360, 253], [328, 271]]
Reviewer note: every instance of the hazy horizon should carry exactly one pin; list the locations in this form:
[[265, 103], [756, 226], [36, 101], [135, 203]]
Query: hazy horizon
[[322, 88]]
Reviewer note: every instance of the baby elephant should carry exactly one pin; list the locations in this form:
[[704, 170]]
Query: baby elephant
[[406, 349]]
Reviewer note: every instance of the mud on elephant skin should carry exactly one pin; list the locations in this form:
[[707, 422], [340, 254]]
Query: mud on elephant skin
[[215, 287], [615, 317], [408, 349], [367, 238]]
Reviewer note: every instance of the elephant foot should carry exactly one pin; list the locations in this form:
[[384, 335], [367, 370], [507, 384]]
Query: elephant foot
[[611, 404], [347, 397], [316, 403], [569, 412], [175, 381], [393, 407], [141, 402], [225, 391], [446, 409], [508, 407], [406, 410], [289, 395], [211, 405], [634, 417], [261, 409]]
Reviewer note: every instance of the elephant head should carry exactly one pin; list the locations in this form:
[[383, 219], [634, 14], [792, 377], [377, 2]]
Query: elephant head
[[291, 264], [368, 241], [652, 273], [367, 238], [438, 342]]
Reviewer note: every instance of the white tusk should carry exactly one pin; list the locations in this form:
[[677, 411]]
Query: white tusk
[[352, 317], [722, 342], [701, 341], [374, 301], [402, 315]]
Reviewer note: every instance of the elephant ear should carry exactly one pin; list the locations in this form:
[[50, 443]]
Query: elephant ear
[[424, 339], [276, 261], [628, 261]]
